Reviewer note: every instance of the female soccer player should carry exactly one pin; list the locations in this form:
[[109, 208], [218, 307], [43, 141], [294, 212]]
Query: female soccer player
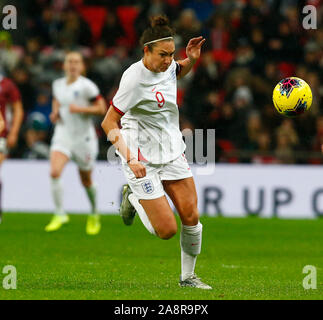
[[75, 99], [10, 100], [151, 146]]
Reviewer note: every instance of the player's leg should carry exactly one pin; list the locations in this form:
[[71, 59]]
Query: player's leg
[[147, 197], [2, 158], [58, 161], [86, 180], [156, 215], [84, 153], [161, 217], [183, 194], [127, 209], [93, 225], [179, 184]]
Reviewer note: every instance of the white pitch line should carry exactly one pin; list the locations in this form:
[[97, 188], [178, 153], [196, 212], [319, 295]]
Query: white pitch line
[[232, 266]]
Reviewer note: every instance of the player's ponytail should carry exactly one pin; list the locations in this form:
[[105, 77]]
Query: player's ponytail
[[159, 29]]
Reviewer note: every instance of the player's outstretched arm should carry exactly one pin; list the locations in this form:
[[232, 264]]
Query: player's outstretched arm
[[111, 128], [18, 115], [193, 52], [98, 108]]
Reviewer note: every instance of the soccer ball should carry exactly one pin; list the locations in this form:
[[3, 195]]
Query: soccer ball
[[292, 97]]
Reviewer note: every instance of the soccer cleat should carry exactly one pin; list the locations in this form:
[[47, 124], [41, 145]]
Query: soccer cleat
[[56, 222], [93, 224], [127, 211], [194, 282]]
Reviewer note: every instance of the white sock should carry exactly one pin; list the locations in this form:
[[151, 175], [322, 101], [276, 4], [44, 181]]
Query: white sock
[[91, 193], [57, 192], [142, 213], [191, 241]]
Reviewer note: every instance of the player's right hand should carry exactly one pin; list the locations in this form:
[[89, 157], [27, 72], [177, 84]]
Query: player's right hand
[[2, 125], [54, 117], [12, 139], [137, 168]]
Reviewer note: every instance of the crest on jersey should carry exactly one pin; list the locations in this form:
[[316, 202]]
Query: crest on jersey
[[76, 94], [147, 186]]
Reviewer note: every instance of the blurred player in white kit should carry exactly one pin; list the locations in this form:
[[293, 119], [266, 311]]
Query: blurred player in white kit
[[75, 100]]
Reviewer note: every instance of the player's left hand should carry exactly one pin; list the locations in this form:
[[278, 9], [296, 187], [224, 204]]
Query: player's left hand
[[12, 139], [75, 109], [193, 48]]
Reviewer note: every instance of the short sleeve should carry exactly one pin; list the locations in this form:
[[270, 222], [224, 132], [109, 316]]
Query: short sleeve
[[13, 92], [127, 95], [54, 90], [178, 68], [92, 91]]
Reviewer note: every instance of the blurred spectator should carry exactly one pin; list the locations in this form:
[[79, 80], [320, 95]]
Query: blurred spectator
[[284, 151], [33, 48], [225, 121], [112, 30], [53, 64], [313, 80], [204, 81], [43, 106], [202, 8], [318, 138], [313, 52], [264, 82], [287, 141], [9, 58], [285, 45], [187, 27], [46, 25], [257, 41], [74, 31], [253, 129], [35, 137], [156, 7], [100, 63], [263, 153], [22, 79], [218, 33], [287, 129], [244, 56]]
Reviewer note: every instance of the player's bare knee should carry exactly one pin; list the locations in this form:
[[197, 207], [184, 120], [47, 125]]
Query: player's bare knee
[[189, 206], [86, 179], [167, 233], [55, 173], [190, 218], [86, 182], [189, 212]]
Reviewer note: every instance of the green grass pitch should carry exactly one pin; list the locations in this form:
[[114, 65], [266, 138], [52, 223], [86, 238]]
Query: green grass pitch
[[242, 258]]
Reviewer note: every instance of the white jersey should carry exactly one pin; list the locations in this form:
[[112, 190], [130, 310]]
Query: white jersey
[[150, 125], [81, 92]]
